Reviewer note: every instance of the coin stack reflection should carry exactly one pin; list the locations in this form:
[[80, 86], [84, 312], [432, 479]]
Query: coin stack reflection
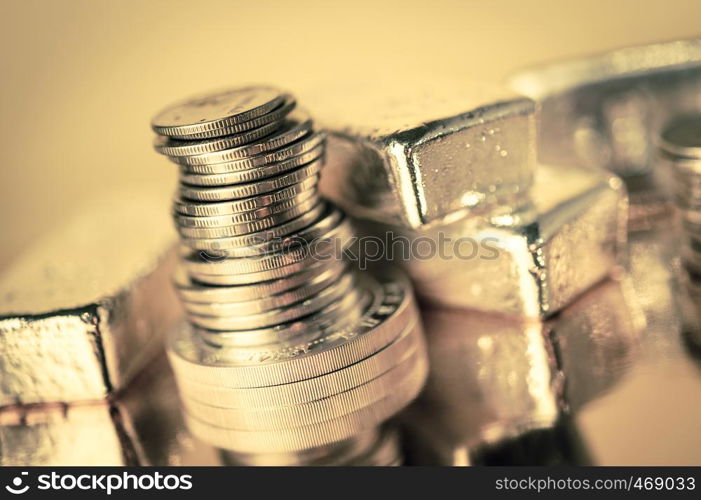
[[289, 355]]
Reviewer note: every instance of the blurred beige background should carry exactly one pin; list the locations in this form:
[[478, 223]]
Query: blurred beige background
[[81, 79]]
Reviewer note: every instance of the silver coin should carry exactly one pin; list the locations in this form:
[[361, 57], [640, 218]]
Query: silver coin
[[238, 191], [258, 243], [237, 218], [324, 225], [328, 247], [253, 226], [398, 350], [193, 292], [244, 247], [280, 271], [315, 411], [250, 344], [276, 115], [253, 174], [272, 317], [298, 232], [176, 147], [303, 189], [316, 434], [265, 302], [304, 145], [208, 113], [296, 126], [265, 363]]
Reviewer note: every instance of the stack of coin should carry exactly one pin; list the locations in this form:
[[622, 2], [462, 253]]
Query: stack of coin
[[288, 352], [680, 149]]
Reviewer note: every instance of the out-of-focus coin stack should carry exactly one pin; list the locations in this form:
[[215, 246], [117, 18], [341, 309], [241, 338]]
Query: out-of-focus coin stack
[[680, 149], [289, 356]]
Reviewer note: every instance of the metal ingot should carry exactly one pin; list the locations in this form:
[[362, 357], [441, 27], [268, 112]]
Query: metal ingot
[[529, 260], [498, 388], [413, 154], [87, 307]]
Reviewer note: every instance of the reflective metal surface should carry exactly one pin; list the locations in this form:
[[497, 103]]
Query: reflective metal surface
[[301, 377], [525, 260], [140, 426], [611, 380], [496, 381], [414, 154], [608, 110], [84, 314], [63, 435], [87, 307]]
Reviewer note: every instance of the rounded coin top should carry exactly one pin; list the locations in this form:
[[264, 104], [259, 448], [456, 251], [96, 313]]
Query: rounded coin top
[[215, 110], [682, 136]]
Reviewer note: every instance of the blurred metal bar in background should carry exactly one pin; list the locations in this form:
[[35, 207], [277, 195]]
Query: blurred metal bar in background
[[607, 111]]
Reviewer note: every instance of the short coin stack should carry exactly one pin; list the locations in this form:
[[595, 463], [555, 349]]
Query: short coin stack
[[680, 147], [289, 355]]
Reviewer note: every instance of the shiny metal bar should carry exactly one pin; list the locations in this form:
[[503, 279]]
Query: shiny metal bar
[[86, 308], [526, 260], [414, 154]]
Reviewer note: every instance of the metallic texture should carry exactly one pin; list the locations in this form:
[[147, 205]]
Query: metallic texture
[[84, 378], [421, 167], [87, 308], [373, 448], [528, 260], [289, 356], [680, 152], [66, 435], [497, 385], [142, 425], [219, 114], [628, 370], [414, 154], [608, 110]]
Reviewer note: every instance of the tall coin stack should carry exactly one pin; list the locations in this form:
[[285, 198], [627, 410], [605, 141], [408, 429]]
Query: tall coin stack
[[289, 356]]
